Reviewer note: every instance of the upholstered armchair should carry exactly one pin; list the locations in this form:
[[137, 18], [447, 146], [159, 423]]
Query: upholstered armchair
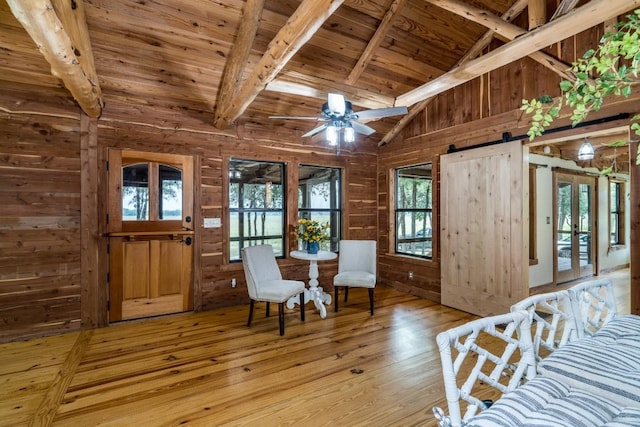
[[265, 282], [356, 269]]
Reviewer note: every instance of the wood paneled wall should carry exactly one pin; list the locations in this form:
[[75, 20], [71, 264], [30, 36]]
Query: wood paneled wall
[[40, 184], [477, 112], [41, 262], [40, 266]]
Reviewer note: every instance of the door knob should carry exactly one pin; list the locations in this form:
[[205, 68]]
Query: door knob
[[188, 241]]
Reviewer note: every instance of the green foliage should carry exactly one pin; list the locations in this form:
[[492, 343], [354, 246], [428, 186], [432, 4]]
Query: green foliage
[[610, 70]]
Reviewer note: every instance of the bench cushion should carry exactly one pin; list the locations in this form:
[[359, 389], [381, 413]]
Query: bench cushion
[[624, 329], [605, 367], [548, 402]]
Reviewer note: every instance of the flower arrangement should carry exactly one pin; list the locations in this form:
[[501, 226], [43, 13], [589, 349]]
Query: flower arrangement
[[312, 231]]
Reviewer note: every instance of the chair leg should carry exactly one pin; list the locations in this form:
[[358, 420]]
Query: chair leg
[[335, 298], [268, 306], [281, 317], [371, 300], [250, 312], [346, 293], [302, 306]]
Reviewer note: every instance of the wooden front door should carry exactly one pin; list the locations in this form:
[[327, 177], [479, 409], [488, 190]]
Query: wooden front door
[[150, 234], [483, 199], [574, 206]]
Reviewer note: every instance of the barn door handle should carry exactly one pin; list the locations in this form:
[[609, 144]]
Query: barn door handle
[[188, 241]]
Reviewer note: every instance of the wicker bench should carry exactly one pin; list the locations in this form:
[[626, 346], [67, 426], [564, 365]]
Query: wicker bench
[[574, 362]]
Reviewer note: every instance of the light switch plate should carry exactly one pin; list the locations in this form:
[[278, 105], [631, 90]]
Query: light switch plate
[[212, 223]]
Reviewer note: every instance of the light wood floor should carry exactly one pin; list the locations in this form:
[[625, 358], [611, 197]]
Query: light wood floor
[[209, 369]]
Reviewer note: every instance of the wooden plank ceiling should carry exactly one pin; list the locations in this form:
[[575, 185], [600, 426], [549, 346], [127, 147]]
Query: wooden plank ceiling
[[246, 60]]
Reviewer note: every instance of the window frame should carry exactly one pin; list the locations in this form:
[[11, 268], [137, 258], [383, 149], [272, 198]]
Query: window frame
[[619, 213], [533, 213], [307, 213], [241, 211], [428, 211]]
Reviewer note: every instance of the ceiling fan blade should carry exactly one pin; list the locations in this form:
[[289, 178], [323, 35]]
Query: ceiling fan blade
[[363, 129], [316, 130], [337, 104], [379, 113], [319, 119]]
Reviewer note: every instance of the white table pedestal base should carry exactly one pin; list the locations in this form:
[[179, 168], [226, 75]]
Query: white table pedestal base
[[315, 292]]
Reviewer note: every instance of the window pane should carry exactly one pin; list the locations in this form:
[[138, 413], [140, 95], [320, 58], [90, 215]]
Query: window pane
[[171, 186], [614, 229], [414, 187], [256, 200], [318, 187], [319, 199], [262, 223], [413, 210], [135, 192], [615, 204]]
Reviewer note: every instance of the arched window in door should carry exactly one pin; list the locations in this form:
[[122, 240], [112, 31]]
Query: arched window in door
[[171, 192], [135, 192], [151, 192]]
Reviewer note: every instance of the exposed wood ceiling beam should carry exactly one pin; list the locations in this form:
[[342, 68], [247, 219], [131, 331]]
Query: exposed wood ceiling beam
[[580, 19], [565, 7], [375, 41], [296, 83], [61, 35], [514, 11], [504, 29], [239, 54], [298, 29], [537, 13]]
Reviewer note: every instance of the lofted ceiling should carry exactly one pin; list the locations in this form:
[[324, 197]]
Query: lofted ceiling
[[243, 61]]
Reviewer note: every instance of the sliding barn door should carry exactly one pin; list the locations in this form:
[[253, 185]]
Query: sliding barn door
[[484, 259]]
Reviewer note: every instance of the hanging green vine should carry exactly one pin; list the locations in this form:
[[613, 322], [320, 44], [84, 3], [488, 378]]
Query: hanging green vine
[[609, 70]]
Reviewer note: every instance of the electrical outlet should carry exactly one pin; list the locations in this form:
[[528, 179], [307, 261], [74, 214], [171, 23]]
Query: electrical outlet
[[233, 282], [411, 275]]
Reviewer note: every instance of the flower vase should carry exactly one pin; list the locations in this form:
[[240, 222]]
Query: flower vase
[[313, 247]]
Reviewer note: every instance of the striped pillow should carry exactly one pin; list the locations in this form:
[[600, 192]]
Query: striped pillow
[[603, 367], [548, 402], [624, 329], [627, 417]]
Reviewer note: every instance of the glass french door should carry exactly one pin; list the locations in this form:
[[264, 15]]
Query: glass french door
[[575, 198]]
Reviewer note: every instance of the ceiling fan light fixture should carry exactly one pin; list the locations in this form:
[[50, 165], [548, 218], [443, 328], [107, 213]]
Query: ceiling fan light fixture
[[349, 133], [586, 151], [332, 134], [336, 104]]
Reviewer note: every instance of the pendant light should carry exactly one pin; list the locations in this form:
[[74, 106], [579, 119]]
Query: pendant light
[[586, 151]]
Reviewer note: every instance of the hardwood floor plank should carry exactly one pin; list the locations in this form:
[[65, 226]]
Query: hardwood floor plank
[[49, 405], [209, 368]]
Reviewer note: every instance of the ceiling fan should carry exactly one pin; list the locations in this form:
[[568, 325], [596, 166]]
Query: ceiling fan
[[339, 116]]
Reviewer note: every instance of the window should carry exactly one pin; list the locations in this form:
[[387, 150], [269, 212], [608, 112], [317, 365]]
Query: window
[[135, 192], [139, 203], [616, 213], [319, 198], [533, 220], [256, 206], [413, 206]]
